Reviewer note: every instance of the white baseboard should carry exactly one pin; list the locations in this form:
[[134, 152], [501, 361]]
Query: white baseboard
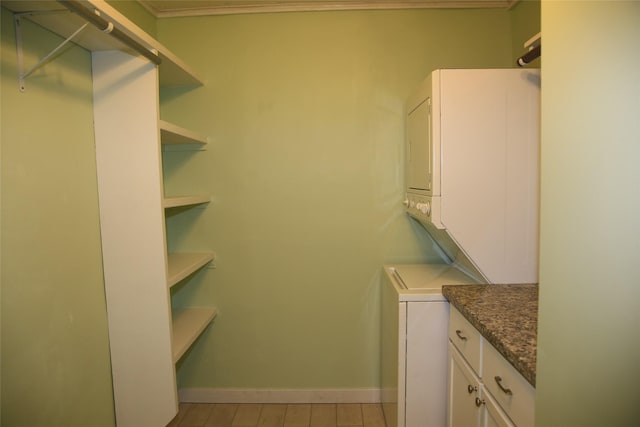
[[242, 395]]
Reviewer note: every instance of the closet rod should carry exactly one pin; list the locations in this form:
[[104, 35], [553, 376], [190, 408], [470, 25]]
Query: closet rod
[[529, 56], [108, 28]]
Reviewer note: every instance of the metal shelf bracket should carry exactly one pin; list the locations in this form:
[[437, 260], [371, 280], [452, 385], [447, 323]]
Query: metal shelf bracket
[[22, 74]]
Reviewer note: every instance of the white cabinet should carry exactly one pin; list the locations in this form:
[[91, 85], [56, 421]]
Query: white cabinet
[[469, 403], [484, 389]]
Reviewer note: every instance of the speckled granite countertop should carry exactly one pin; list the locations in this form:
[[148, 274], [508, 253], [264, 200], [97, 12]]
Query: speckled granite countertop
[[506, 315]]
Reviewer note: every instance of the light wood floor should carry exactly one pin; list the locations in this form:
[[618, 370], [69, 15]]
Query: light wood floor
[[278, 415]]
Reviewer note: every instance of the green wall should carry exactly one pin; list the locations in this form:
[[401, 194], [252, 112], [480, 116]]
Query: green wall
[[305, 165], [305, 115], [55, 353], [589, 344]]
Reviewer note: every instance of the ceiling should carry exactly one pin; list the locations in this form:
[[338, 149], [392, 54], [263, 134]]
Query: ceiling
[[171, 8]]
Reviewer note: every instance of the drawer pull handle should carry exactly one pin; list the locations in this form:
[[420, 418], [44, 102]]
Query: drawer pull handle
[[459, 334], [471, 388], [506, 391], [479, 402]]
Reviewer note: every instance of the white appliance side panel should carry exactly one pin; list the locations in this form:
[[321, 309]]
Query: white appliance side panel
[[426, 360], [489, 173], [392, 325], [523, 178], [402, 366]]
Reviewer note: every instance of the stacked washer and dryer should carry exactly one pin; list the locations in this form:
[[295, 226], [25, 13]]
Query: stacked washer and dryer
[[472, 182]]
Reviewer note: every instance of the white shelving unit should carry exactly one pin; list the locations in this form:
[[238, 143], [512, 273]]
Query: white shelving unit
[[146, 337]]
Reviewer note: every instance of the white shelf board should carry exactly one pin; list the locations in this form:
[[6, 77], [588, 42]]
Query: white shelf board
[[174, 134], [181, 265], [188, 325], [174, 202], [173, 71]]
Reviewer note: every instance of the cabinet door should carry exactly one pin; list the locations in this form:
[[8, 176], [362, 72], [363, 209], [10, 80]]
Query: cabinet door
[[492, 415], [464, 389]]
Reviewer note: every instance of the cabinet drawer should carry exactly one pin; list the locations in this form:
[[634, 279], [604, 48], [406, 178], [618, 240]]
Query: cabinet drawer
[[467, 339], [512, 392]]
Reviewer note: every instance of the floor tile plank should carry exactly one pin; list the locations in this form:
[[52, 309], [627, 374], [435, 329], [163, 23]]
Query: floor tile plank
[[182, 410], [222, 415], [372, 415], [298, 415], [323, 415], [272, 415], [349, 414], [247, 415], [279, 415], [196, 415]]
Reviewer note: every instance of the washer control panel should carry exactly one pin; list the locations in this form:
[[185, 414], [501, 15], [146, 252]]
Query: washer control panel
[[424, 208]]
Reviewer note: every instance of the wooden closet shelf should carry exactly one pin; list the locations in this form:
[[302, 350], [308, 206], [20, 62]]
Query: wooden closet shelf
[[181, 265], [175, 202], [171, 134], [188, 325]]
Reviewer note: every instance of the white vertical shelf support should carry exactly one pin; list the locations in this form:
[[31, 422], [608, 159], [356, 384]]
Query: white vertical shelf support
[[133, 238]]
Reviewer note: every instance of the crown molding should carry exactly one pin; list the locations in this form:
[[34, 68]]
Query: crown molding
[[170, 9]]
